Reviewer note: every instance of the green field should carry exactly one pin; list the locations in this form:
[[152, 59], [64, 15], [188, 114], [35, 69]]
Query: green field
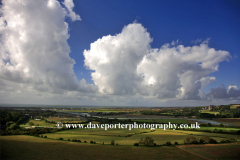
[[210, 112], [160, 136], [27, 147]]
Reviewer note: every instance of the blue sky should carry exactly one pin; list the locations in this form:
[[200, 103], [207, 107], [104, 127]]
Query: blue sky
[[151, 53], [186, 21]]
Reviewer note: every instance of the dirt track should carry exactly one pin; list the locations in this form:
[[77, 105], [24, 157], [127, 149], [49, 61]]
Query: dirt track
[[193, 153], [203, 145]]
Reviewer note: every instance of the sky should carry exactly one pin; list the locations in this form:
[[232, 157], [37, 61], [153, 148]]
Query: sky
[[120, 52]]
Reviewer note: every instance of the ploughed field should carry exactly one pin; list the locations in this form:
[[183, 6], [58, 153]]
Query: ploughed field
[[216, 151], [232, 121]]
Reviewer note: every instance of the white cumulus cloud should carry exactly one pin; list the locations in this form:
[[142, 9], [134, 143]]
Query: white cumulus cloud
[[126, 64], [34, 48], [115, 59]]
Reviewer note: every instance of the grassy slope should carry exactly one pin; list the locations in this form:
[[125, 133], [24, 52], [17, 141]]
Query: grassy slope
[[26, 147]]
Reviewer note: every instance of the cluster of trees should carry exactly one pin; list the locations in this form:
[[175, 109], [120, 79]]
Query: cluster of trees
[[33, 132], [205, 140], [112, 142], [106, 120], [77, 140], [53, 122], [37, 135], [187, 112], [12, 126], [147, 141], [13, 117], [216, 131], [17, 117], [168, 143], [224, 110], [234, 113]]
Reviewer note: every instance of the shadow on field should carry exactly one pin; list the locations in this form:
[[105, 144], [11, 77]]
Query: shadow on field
[[27, 147]]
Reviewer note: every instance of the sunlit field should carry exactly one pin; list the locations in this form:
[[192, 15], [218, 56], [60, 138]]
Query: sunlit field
[[210, 112], [126, 137]]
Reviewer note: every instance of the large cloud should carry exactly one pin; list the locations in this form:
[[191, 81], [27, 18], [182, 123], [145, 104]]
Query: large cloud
[[34, 48], [125, 64], [115, 59], [178, 71], [222, 92]]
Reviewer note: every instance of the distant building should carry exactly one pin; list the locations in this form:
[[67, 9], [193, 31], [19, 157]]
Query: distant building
[[210, 107]]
